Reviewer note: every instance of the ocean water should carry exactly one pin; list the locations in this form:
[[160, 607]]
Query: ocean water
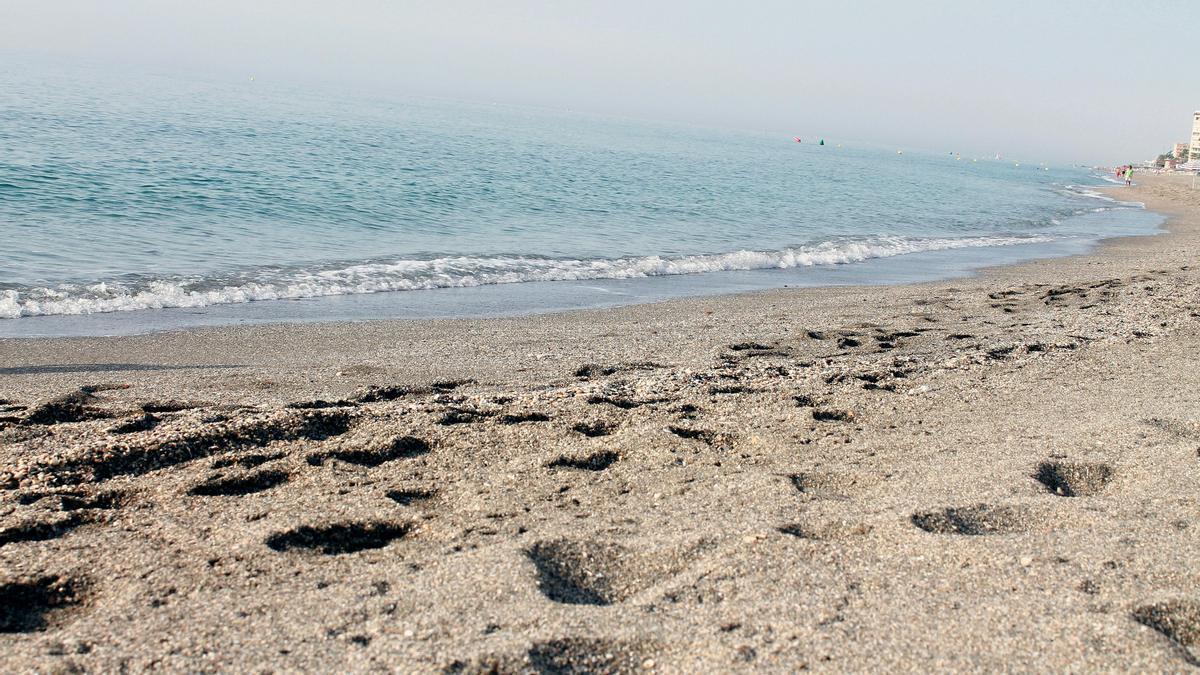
[[135, 201]]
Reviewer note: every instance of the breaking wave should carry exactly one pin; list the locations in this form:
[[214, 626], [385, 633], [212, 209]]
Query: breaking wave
[[447, 272]]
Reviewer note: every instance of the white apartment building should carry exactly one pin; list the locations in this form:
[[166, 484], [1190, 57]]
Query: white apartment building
[[1194, 152]]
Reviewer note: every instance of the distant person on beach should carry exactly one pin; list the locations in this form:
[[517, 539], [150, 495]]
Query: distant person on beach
[[1129, 175]]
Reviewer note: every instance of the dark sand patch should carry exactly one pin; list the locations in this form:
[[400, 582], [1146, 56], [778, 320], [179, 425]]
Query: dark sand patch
[[463, 416], [42, 530], [240, 485], [248, 461], [826, 530], [589, 572], [408, 497], [1074, 479], [1177, 619], [145, 422], [597, 461], [706, 435], [320, 404], [831, 485], [979, 519], [832, 415], [390, 393], [594, 428], [521, 418], [172, 405], [401, 447], [75, 500], [339, 538], [77, 406], [577, 656], [45, 602], [590, 370], [135, 458], [624, 403]]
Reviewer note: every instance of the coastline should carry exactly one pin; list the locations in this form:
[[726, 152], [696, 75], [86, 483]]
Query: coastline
[[218, 344], [635, 280], [835, 478]]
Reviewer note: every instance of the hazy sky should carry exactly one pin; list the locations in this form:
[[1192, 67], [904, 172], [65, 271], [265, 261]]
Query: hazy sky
[[1049, 80]]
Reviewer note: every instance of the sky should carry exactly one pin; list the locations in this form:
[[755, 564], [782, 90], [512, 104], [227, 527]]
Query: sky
[[1096, 82]]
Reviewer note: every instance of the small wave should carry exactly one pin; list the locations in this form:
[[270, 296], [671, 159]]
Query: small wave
[[1086, 191], [450, 272]]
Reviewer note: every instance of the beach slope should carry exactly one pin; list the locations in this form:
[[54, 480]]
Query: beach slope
[[994, 473]]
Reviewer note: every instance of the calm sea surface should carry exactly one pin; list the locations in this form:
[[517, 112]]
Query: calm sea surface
[[122, 194]]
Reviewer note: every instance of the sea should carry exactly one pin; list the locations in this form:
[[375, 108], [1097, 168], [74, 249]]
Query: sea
[[135, 201]]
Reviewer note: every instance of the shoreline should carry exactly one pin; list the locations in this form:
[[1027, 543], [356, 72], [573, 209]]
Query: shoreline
[[300, 333], [987, 473], [534, 298]]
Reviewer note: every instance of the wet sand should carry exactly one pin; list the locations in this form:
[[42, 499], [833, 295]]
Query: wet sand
[[994, 473]]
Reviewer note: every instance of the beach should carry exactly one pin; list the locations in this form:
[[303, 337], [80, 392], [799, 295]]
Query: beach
[[988, 473]]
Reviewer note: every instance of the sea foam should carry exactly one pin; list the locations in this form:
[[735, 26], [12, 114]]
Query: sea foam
[[451, 272]]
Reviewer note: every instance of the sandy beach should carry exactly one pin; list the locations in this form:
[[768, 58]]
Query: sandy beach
[[996, 473]]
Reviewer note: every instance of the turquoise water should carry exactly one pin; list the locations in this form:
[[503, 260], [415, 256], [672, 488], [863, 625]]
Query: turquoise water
[[122, 194]]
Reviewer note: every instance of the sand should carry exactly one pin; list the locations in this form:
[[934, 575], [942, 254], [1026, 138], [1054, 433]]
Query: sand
[[994, 473]]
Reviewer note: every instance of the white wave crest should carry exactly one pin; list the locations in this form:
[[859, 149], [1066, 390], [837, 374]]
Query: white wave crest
[[453, 272], [1085, 191]]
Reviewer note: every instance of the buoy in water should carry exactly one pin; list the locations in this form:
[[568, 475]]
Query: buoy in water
[[822, 142]]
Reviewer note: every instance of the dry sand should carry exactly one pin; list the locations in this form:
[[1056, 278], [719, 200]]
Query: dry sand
[[997, 473]]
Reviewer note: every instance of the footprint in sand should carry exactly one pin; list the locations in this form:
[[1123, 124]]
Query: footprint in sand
[[400, 447], [410, 496], [37, 604], [42, 529], [339, 538], [594, 428], [980, 519], [706, 435], [826, 530], [1074, 479], [566, 656], [594, 572], [138, 458], [522, 418], [827, 485], [1179, 620], [248, 461], [238, 485], [597, 461]]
